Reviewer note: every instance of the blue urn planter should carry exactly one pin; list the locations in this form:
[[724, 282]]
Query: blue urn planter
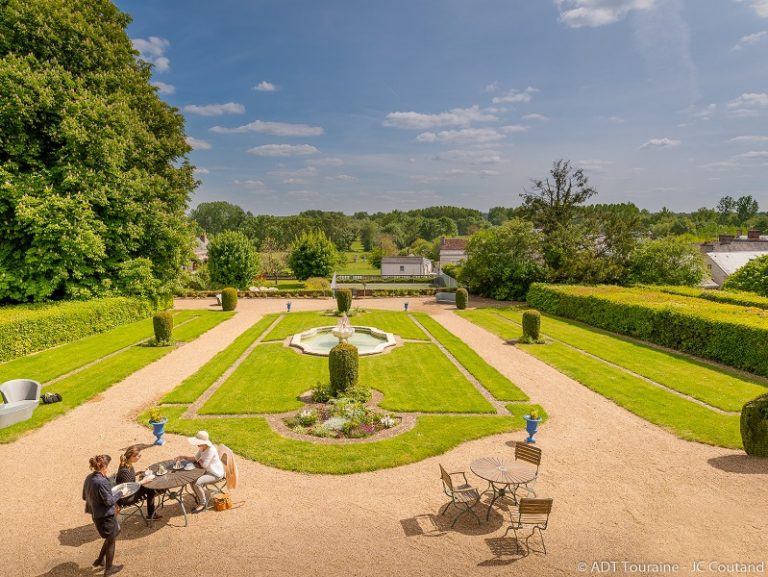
[[158, 429], [532, 426]]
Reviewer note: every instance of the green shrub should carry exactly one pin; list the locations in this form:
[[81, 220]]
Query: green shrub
[[317, 283], [163, 324], [732, 297], [29, 328], [752, 277], [343, 368], [321, 393], [229, 299], [344, 300], [461, 299], [754, 426], [531, 326], [726, 333]]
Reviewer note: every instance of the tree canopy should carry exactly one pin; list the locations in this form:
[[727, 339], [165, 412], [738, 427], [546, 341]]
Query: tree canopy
[[232, 260], [312, 255], [752, 277], [93, 169]]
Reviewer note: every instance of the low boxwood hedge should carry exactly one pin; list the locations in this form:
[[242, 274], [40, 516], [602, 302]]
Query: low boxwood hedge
[[27, 329], [730, 334], [720, 296]]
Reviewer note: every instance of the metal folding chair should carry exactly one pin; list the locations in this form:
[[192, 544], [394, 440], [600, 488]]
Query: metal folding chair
[[529, 454], [464, 497], [533, 514]]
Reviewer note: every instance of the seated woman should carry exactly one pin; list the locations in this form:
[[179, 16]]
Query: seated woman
[[127, 474], [208, 458]]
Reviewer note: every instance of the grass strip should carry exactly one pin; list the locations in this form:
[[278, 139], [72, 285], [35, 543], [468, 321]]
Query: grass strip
[[83, 386], [683, 418], [419, 377], [718, 387], [393, 322], [47, 365], [499, 386], [195, 385], [433, 435]]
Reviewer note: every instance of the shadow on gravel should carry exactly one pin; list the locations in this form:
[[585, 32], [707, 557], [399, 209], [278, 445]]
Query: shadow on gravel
[[429, 525], [740, 463], [505, 551], [69, 569], [134, 528]]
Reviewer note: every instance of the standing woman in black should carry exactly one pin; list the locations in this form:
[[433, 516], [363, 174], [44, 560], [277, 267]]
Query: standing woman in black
[[100, 503]]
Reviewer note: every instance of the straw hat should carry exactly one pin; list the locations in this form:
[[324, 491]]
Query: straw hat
[[200, 439]]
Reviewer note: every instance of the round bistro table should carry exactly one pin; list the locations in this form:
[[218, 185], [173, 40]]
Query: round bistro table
[[173, 483], [502, 474]]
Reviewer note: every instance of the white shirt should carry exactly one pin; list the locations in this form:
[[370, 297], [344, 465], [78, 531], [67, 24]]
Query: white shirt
[[210, 461]]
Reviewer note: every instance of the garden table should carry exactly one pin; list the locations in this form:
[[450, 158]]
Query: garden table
[[502, 474], [173, 483]]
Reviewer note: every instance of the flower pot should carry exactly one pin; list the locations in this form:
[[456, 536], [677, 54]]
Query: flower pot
[[532, 426], [158, 429]]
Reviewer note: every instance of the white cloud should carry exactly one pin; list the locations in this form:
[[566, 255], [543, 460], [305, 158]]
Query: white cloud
[[152, 50], [164, 87], [752, 155], [760, 7], [748, 103], [704, 113], [300, 173], [458, 172], [273, 128], [327, 161], [197, 143], [615, 119], [283, 150], [265, 86], [342, 178], [514, 95], [492, 87], [463, 136], [470, 156], [580, 13], [215, 109], [748, 139], [201, 170], [750, 40], [514, 128], [661, 143], [594, 165], [455, 117], [536, 116], [251, 184]]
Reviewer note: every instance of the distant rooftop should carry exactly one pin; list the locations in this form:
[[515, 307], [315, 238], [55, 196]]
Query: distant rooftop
[[730, 262], [453, 244]]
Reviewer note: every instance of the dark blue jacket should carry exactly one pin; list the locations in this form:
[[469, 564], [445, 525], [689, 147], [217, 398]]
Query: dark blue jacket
[[98, 497]]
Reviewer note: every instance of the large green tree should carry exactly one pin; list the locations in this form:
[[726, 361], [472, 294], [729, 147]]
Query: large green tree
[[502, 262], [752, 277], [312, 254], [668, 260], [93, 169], [232, 260], [216, 217]]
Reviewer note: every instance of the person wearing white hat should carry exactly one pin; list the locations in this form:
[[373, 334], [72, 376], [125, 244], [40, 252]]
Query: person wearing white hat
[[208, 458]]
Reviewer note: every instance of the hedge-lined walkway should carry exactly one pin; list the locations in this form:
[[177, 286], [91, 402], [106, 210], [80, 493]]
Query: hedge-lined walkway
[[621, 486]]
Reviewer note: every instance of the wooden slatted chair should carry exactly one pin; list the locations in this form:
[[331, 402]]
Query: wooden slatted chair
[[464, 497], [529, 454], [533, 514]]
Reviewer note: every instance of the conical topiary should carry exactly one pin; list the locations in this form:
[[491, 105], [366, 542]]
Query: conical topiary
[[163, 325], [531, 326], [343, 368], [754, 426], [344, 300]]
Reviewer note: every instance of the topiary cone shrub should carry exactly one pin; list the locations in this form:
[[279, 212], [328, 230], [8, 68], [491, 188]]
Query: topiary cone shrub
[[754, 426], [163, 324], [344, 300], [229, 299], [461, 298], [343, 367], [531, 326]]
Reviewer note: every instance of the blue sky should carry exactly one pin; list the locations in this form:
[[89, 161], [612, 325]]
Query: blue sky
[[365, 105]]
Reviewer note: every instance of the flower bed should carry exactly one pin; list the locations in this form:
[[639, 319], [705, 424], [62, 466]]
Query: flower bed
[[340, 419]]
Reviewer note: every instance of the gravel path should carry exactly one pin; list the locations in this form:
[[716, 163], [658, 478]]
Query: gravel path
[[624, 489]]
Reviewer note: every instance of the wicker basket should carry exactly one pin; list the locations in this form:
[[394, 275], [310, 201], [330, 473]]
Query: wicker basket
[[222, 501]]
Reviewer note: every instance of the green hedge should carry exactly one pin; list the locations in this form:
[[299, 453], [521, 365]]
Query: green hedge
[[30, 328], [726, 333], [742, 298]]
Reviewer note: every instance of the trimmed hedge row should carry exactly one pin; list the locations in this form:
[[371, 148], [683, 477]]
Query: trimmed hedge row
[[741, 298], [307, 293], [725, 333], [27, 329]]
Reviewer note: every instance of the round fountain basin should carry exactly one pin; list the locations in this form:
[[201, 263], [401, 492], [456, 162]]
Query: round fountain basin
[[320, 340]]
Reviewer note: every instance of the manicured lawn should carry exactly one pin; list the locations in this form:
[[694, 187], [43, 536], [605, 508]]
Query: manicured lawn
[[359, 267], [268, 381], [419, 378], [682, 417], [84, 385], [47, 365], [432, 435], [498, 385], [720, 388], [393, 322], [195, 385]]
